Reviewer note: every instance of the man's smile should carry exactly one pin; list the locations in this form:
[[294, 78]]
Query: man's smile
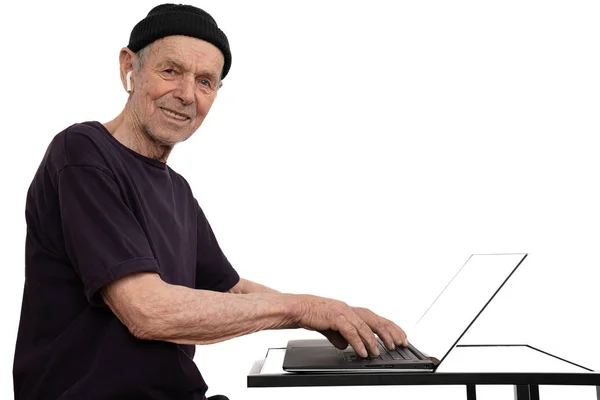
[[175, 115]]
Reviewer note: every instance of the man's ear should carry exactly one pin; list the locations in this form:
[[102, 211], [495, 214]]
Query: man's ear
[[220, 84], [126, 58]]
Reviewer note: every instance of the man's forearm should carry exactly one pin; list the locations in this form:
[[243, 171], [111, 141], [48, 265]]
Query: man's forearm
[[245, 286], [188, 316], [224, 316]]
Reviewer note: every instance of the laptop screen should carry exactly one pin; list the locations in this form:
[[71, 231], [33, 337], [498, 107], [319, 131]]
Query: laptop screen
[[460, 303]]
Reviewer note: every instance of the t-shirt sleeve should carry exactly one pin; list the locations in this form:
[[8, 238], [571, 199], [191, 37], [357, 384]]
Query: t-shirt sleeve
[[213, 270], [102, 237]]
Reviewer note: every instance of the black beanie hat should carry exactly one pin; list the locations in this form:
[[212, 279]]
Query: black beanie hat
[[178, 19]]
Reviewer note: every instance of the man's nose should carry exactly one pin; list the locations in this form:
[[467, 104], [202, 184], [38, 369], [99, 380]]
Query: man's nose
[[186, 90]]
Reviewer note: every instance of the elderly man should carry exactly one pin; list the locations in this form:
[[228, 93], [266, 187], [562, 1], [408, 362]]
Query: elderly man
[[124, 274]]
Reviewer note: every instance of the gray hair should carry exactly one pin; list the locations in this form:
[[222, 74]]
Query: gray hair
[[140, 57]]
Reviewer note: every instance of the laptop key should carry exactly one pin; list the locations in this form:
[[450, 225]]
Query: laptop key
[[406, 354], [386, 357], [396, 355]]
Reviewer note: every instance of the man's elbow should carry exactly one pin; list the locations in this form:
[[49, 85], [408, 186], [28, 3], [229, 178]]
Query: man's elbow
[[162, 329], [154, 322], [139, 321], [138, 306], [143, 331]]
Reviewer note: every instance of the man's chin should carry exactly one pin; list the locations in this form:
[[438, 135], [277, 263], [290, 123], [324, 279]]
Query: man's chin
[[169, 139], [167, 135]]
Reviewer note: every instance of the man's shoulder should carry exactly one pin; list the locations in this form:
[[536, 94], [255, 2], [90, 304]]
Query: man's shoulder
[[78, 144], [82, 144]]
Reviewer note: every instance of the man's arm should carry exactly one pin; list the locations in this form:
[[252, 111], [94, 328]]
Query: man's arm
[[245, 286], [154, 310]]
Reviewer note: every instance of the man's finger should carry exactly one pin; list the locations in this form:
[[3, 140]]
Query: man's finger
[[380, 326], [367, 335], [397, 333], [349, 332], [386, 336]]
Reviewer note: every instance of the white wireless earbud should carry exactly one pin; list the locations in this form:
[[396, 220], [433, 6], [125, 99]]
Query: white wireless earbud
[[128, 79]]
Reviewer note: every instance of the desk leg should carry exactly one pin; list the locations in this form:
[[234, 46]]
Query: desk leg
[[598, 392], [534, 392], [527, 392], [472, 393]]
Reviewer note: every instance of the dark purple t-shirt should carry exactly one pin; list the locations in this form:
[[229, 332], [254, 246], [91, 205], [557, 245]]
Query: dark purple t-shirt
[[97, 211]]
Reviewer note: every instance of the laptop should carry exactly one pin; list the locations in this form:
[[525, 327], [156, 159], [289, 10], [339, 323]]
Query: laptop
[[436, 333]]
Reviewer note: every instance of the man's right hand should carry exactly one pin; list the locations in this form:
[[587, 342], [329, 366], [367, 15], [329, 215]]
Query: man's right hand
[[330, 316]]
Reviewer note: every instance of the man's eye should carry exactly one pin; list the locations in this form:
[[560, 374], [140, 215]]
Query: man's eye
[[170, 71], [205, 82]]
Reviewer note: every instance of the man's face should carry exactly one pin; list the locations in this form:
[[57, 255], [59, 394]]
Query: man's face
[[175, 88]]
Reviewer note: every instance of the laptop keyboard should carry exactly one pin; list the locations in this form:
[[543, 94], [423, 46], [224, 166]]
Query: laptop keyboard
[[400, 353]]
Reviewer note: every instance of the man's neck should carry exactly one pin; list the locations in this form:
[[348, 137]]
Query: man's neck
[[130, 133]]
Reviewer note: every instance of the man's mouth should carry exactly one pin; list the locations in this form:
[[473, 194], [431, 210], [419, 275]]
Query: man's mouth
[[176, 115]]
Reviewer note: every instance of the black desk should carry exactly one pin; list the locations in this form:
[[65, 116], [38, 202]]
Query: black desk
[[521, 366]]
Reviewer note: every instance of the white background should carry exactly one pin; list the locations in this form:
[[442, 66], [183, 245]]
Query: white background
[[355, 147]]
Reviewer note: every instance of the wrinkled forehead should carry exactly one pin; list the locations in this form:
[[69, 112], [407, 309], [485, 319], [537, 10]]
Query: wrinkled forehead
[[188, 52]]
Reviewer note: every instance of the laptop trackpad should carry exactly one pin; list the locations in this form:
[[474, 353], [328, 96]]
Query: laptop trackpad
[[320, 355]]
